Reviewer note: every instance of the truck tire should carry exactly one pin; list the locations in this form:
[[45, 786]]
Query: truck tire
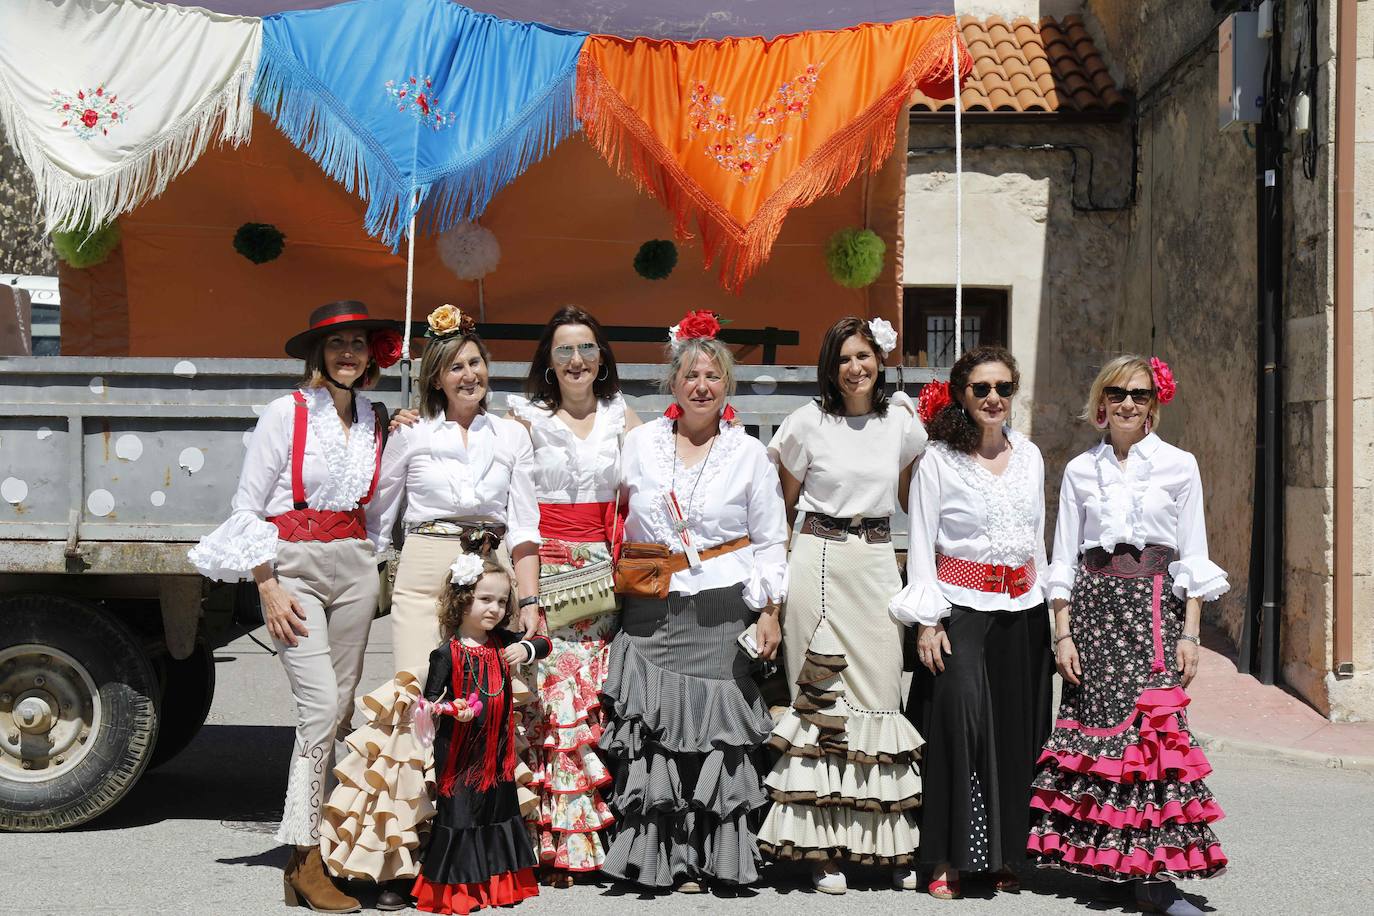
[[188, 689], [78, 712]]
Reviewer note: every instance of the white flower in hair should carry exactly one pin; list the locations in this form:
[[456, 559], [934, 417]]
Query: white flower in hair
[[673, 340], [883, 333], [466, 570]]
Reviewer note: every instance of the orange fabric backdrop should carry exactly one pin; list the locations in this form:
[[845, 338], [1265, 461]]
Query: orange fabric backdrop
[[731, 134], [569, 229]]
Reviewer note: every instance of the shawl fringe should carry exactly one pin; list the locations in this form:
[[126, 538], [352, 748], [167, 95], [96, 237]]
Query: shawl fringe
[[317, 124], [633, 150], [69, 202]]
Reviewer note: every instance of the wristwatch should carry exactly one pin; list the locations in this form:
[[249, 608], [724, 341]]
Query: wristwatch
[[527, 601]]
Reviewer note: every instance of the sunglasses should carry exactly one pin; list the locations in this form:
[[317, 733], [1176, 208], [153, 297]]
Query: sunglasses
[[1139, 395], [983, 389], [589, 352]]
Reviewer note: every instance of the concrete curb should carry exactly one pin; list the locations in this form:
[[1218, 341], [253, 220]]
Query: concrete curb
[[1291, 754]]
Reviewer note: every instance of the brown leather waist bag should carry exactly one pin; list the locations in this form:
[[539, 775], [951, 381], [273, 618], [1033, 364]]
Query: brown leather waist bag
[[646, 570]]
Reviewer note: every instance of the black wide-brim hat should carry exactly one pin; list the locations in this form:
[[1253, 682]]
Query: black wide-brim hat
[[347, 314]]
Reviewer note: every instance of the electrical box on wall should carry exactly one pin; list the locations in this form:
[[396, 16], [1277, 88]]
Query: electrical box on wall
[[1240, 71]]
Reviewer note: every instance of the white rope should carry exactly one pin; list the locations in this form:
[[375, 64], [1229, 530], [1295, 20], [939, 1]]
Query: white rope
[[958, 208], [410, 289]]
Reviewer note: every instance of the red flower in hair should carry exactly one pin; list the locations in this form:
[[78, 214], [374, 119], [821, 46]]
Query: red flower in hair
[[1164, 380], [698, 324], [385, 346], [934, 397]]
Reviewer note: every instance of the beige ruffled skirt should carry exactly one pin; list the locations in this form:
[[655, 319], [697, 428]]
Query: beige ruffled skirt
[[847, 785]]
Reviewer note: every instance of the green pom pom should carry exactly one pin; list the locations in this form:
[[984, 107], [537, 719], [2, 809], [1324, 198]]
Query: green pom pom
[[259, 242], [854, 257], [83, 248], [656, 259]]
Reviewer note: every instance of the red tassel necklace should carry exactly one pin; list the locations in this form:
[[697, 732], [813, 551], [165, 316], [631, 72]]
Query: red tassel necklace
[[475, 749]]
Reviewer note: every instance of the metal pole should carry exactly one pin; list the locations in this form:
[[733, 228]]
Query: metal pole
[[410, 301]]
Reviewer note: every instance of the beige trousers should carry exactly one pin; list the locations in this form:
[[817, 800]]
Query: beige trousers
[[421, 575], [336, 585]]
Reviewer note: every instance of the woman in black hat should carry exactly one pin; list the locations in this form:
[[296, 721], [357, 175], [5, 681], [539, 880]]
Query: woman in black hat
[[298, 530]]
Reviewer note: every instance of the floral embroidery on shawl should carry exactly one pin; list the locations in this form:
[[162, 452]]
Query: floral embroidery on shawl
[[90, 111], [745, 155], [416, 96]]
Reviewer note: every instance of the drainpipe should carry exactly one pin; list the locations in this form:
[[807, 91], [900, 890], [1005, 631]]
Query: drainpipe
[[1343, 333]]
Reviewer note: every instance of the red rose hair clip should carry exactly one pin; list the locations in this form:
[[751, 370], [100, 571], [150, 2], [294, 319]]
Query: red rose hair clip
[[934, 397], [702, 324], [1165, 386], [385, 347]]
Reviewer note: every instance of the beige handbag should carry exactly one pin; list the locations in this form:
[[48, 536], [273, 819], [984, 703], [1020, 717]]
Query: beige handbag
[[578, 594]]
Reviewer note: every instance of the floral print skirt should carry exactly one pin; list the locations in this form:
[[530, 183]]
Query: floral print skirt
[[563, 727], [1119, 791]]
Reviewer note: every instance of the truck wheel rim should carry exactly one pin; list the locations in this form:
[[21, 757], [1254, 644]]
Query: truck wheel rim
[[49, 713]]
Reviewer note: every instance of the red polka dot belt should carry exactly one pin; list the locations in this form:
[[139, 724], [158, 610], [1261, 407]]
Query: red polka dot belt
[[985, 577]]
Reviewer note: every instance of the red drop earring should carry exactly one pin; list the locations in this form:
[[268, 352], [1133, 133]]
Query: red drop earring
[[1101, 417]]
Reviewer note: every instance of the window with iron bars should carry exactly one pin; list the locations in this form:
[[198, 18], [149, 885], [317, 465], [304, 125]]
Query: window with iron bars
[[928, 323]]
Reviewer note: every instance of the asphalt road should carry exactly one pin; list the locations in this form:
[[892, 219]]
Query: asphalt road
[[196, 837]]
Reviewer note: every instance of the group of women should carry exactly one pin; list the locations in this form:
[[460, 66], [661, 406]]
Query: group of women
[[655, 555]]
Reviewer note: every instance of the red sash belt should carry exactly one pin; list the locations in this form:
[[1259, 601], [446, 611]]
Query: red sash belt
[[305, 524], [320, 525], [985, 577], [580, 523]]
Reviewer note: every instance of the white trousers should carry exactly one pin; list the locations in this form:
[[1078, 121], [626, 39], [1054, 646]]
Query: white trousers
[[336, 585]]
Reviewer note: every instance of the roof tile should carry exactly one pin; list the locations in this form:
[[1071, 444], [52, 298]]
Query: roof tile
[[1023, 65]]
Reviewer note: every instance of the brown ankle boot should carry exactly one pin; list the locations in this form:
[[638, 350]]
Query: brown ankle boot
[[306, 883]]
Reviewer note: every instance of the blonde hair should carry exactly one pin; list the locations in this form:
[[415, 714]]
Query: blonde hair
[[440, 352], [1118, 372], [685, 356], [313, 377]]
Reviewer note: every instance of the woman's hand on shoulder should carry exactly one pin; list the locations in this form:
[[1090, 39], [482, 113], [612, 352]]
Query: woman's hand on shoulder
[[403, 416]]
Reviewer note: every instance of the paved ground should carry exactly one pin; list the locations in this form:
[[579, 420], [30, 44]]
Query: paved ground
[[1235, 712], [195, 837]]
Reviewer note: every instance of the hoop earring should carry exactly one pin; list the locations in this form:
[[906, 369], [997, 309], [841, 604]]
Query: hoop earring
[[548, 375], [1101, 421], [1148, 424], [605, 373]]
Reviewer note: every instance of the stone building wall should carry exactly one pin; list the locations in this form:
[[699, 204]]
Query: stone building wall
[[24, 247]]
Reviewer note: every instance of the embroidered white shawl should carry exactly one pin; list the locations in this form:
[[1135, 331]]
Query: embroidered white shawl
[[106, 101]]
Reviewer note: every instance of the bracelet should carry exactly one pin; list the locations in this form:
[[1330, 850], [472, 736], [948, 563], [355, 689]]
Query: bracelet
[[1192, 639], [1059, 639], [527, 601]]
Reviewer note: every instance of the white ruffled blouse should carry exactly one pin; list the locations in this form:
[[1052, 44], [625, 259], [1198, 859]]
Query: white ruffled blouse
[[1155, 499], [960, 509], [570, 469], [491, 478], [731, 493], [849, 466], [337, 472]]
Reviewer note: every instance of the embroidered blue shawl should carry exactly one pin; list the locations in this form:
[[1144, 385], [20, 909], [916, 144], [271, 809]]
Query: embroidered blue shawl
[[425, 107]]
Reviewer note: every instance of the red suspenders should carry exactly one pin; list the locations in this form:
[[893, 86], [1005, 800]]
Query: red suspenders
[[305, 524]]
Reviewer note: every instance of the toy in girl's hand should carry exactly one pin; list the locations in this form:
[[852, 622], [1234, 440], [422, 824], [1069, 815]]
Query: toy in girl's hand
[[424, 713]]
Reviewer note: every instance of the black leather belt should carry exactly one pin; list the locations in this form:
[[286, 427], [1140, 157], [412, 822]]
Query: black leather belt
[[873, 530]]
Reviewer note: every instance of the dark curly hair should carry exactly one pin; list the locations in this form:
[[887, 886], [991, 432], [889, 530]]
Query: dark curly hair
[[539, 389], [456, 600], [828, 367], [953, 425]]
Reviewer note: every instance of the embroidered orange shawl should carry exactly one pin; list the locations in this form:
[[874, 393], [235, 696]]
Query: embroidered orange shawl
[[730, 134]]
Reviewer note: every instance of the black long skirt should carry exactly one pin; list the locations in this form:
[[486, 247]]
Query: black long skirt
[[984, 719]]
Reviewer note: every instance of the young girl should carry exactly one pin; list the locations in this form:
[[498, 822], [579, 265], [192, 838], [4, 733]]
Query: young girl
[[478, 853]]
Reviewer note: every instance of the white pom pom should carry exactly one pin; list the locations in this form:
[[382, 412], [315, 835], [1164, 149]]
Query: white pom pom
[[469, 250]]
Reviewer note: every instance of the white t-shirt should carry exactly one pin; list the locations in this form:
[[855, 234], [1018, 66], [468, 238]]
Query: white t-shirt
[[336, 474], [491, 478], [567, 468], [849, 466], [1155, 499], [731, 493], [959, 508]]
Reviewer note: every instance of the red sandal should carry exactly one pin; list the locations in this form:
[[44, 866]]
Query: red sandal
[[944, 890]]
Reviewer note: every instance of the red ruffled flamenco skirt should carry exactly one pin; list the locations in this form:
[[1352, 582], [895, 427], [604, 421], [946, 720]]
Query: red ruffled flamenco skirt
[[1119, 791], [499, 890]]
